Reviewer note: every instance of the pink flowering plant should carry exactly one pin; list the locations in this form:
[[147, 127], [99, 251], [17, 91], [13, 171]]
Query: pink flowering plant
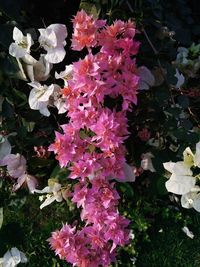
[[99, 135]]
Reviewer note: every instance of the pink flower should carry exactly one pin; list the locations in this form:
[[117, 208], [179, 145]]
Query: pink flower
[[85, 30], [91, 145]]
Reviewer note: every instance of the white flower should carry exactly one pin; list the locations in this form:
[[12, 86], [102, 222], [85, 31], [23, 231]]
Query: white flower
[[22, 44], [147, 79], [29, 180], [182, 56], [197, 155], [52, 39], [53, 193], [13, 257], [188, 157], [191, 199], [58, 100], [128, 173], [146, 162], [39, 97], [66, 74], [35, 70], [186, 230], [5, 146], [180, 77], [16, 164], [181, 180]]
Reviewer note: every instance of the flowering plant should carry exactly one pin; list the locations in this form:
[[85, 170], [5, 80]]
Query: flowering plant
[[99, 121]]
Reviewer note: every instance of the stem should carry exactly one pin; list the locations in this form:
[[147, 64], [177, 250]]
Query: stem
[[159, 64]]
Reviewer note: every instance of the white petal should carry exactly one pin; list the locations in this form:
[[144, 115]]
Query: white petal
[[146, 78], [47, 202], [31, 183], [17, 35], [29, 42], [197, 155], [21, 74], [29, 71], [42, 69], [16, 255], [129, 173], [169, 166], [146, 162], [177, 168], [44, 111], [47, 38], [188, 157], [187, 200], [181, 79], [188, 232], [17, 51], [46, 189], [34, 103], [60, 104], [181, 184], [56, 187], [55, 55], [20, 182], [8, 260], [23, 257], [28, 59], [60, 31], [48, 92], [66, 74], [35, 84]]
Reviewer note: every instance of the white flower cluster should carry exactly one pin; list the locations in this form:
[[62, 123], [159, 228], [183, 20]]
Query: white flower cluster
[[183, 181], [188, 60], [17, 169], [12, 258], [53, 193], [52, 40]]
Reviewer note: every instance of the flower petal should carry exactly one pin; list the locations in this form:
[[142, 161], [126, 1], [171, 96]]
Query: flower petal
[[180, 184], [48, 201], [55, 55], [197, 155], [16, 51], [60, 31], [17, 35]]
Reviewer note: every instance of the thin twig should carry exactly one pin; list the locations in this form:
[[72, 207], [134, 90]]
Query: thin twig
[[159, 64]]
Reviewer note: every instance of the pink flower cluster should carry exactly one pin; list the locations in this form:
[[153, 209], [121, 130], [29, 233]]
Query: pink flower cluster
[[91, 144], [95, 244]]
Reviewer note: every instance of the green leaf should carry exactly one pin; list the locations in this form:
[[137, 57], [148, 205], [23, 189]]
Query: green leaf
[[6, 32], [29, 125], [127, 189], [91, 8], [59, 173], [20, 97], [8, 66], [161, 186], [7, 109], [40, 162]]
